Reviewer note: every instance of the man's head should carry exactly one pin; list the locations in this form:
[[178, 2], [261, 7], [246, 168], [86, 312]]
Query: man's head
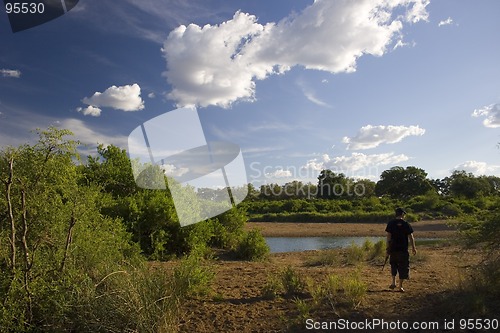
[[400, 212]]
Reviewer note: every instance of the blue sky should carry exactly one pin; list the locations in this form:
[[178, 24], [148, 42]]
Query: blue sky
[[354, 86]]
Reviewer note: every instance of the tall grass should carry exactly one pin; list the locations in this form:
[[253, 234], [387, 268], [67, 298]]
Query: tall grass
[[330, 257], [191, 277], [355, 254]]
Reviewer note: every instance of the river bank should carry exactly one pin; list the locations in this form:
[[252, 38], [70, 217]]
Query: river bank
[[424, 229]]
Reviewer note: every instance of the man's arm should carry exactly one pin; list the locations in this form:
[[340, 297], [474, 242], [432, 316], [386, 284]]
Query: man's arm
[[412, 242]]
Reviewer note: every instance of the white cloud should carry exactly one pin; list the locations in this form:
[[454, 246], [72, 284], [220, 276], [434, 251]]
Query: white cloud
[[90, 111], [492, 114], [372, 136], [478, 168], [280, 173], [448, 21], [10, 73], [400, 43], [151, 95], [317, 164], [218, 64], [311, 95], [125, 98], [355, 162], [173, 171]]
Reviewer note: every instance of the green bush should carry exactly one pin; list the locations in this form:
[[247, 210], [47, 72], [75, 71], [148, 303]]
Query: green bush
[[451, 210], [228, 228], [252, 246]]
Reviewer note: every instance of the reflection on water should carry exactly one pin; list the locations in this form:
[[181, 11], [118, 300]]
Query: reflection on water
[[294, 244]]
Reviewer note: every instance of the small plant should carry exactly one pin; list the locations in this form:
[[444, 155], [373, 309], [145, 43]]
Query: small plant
[[332, 286], [272, 288], [316, 291], [367, 245], [292, 282], [218, 297], [304, 309], [354, 290], [336, 292], [331, 289], [325, 258]]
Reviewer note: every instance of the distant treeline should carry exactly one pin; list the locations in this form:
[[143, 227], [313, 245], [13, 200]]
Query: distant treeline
[[337, 198]]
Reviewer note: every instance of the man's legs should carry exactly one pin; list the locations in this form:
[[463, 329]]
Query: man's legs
[[404, 269], [401, 285], [400, 264], [394, 268]]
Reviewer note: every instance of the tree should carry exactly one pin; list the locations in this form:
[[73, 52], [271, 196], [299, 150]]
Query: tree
[[53, 239], [466, 185], [112, 170], [364, 188], [402, 183], [332, 185]]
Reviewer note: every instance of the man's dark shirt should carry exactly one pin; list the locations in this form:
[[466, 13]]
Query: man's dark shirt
[[399, 230]]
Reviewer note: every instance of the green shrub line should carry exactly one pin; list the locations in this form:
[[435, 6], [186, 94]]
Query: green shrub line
[[342, 217]]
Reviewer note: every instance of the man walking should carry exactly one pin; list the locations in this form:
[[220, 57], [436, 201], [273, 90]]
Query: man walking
[[398, 233]]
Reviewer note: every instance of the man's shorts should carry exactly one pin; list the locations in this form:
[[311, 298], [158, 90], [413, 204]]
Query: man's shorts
[[400, 263]]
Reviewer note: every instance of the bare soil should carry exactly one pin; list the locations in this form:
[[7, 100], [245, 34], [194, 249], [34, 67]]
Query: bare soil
[[237, 303]]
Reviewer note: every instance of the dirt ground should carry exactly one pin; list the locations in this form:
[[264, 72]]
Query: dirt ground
[[237, 304]]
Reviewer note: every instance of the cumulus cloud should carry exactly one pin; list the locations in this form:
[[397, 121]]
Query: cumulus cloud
[[280, 173], [90, 111], [355, 162], [10, 73], [219, 64], [173, 171], [124, 98], [372, 136], [492, 114], [478, 168], [448, 21]]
